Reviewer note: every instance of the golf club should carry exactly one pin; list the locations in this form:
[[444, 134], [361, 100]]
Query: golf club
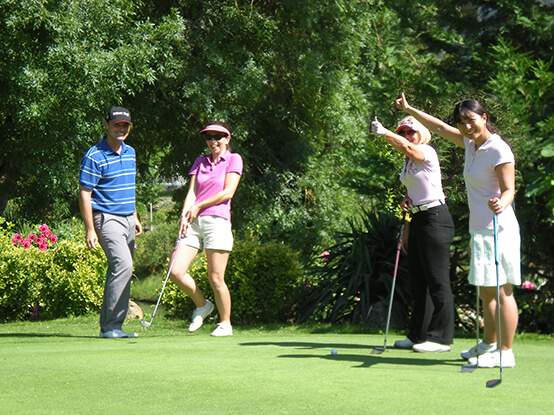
[[147, 324], [379, 350], [470, 368], [495, 382]]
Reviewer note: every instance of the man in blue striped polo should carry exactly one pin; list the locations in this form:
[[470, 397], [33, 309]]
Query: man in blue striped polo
[[107, 202]]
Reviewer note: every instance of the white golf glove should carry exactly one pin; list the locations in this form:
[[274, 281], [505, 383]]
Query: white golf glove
[[377, 128]]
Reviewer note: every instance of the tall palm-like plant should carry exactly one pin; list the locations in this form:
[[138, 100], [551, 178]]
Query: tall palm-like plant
[[358, 271]]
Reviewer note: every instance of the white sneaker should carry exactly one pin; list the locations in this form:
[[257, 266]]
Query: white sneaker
[[431, 347], [223, 329], [404, 344], [492, 359], [483, 348], [199, 314]]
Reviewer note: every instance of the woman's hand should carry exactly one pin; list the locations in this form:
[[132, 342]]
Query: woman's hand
[[377, 128], [496, 205], [406, 204], [183, 226], [402, 103]]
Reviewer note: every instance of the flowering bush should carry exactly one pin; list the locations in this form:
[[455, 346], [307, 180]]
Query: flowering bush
[[42, 240], [38, 282], [535, 300], [528, 285]]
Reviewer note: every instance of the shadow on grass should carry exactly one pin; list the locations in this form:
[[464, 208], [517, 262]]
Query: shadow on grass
[[39, 335], [364, 360]]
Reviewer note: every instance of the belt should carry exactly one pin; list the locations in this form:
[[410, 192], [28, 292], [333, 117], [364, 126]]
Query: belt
[[425, 206]]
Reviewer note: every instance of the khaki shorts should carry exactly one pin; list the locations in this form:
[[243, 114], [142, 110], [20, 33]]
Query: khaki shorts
[[209, 232], [482, 270]]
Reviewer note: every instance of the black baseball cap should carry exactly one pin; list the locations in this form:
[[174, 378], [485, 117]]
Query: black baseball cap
[[119, 114]]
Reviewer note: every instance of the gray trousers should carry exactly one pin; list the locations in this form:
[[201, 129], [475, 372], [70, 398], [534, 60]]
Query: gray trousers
[[116, 235]]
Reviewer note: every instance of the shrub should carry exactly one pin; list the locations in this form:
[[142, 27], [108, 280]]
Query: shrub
[[264, 279], [64, 280], [357, 273], [153, 250], [535, 299]]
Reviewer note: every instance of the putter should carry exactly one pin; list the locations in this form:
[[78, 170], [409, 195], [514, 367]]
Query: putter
[[470, 368], [379, 350], [495, 382], [146, 324]]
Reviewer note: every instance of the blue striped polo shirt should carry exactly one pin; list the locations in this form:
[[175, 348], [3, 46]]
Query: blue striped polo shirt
[[111, 177]]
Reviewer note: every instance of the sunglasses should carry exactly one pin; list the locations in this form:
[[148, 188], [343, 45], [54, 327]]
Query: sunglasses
[[215, 137], [404, 132]]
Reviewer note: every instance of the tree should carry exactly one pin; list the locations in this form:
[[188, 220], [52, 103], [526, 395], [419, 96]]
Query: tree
[[65, 64]]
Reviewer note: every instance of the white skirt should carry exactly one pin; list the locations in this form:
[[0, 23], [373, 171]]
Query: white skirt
[[482, 270]]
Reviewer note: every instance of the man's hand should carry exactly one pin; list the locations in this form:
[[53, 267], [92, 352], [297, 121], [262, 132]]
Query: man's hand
[[91, 239]]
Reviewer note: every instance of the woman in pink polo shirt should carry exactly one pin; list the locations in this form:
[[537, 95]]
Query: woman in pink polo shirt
[[489, 174], [428, 241], [206, 225]]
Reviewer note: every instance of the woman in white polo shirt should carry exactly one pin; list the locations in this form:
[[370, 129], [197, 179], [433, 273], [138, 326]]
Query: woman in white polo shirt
[[489, 174], [428, 236]]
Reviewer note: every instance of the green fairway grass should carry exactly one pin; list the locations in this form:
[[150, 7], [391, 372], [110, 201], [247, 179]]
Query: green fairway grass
[[62, 367]]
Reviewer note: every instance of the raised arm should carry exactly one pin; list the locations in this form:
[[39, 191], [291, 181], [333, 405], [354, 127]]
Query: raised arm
[[435, 125], [398, 142]]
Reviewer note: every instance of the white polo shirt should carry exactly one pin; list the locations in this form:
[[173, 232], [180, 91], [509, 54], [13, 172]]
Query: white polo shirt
[[482, 183], [423, 178]]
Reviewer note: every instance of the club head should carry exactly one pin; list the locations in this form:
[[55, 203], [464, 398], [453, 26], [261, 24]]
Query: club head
[[494, 382], [468, 368], [378, 350], [145, 324]]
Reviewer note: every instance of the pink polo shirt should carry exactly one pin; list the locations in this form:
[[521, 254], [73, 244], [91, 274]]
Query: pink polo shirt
[[210, 180]]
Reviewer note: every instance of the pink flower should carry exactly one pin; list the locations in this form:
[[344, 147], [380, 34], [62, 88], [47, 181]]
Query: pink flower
[[324, 255], [43, 246], [528, 285], [31, 236], [40, 239], [17, 238], [44, 229], [26, 243], [53, 238]]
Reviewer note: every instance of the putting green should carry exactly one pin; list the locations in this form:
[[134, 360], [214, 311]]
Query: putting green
[[61, 367]]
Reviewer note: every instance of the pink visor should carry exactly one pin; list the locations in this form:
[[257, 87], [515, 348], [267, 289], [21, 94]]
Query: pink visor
[[218, 128]]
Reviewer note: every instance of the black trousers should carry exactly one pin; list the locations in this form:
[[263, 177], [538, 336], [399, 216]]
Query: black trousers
[[430, 236]]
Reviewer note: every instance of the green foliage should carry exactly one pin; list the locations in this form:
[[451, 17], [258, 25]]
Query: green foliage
[[535, 299], [153, 249], [527, 84], [357, 273], [65, 280], [64, 64], [298, 81], [265, 281]]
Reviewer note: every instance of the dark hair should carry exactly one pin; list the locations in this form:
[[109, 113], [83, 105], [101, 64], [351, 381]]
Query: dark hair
[[463, 107]]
